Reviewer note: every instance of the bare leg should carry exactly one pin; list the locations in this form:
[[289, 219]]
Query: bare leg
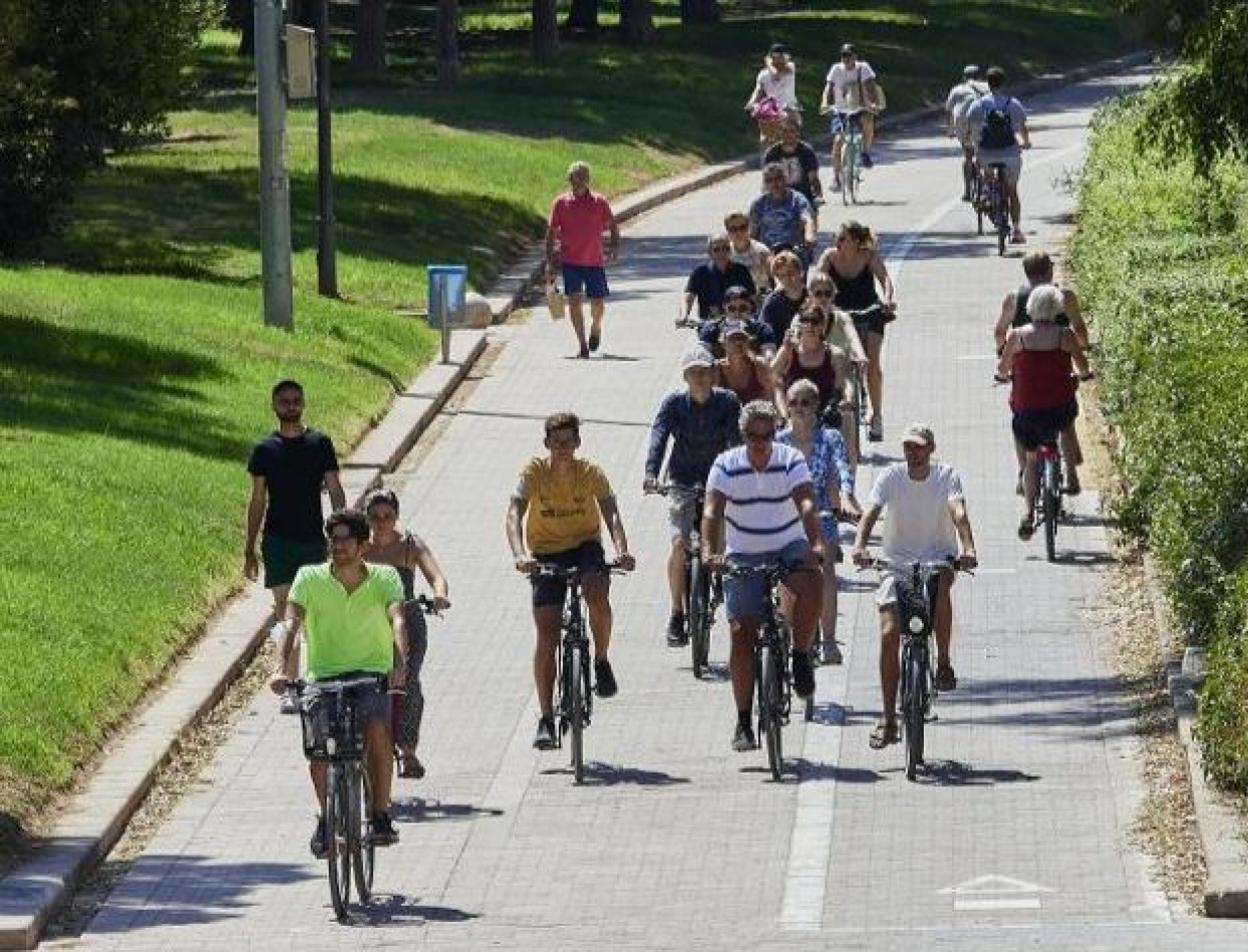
[[828, 621], [890, 666], [377, 747], [317, 769], [874, 344], [838, 144], [596, 589], [546, 618], [1031, 485], [943, 622], [802, 603], [676, 575], [868, 130], [280, 594], [576, 312], [741, 663], [1016, 206], [1072, 452], [597, 307]]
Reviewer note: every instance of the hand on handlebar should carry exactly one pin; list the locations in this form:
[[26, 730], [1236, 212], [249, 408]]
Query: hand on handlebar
[[526, 565], [650, 485], [625, 562], [861, 557], [966, 562]]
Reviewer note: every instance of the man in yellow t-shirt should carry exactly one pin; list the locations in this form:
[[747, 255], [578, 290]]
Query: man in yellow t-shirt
[[556, 517]]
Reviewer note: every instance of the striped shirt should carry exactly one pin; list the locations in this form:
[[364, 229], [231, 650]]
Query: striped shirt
[[759, 508]]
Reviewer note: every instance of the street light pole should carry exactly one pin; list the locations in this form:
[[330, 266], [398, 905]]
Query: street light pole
[[326, 266], [274, 184]]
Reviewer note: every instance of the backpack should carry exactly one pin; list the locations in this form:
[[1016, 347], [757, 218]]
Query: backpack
[[998, 129]]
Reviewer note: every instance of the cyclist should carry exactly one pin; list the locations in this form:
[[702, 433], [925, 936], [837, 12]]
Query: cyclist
[[701, 422], [781, 218], [763, 491], [742, 371], [799, 161], [926, 521], [709, 280], [1039, 355], [841, 329], [354, 617], [957, 104], [785, 300], [805, 354], [737, 306], [777, 82], [556, 515], [407, 552], [833, 479], [851, 92], [749, 251], [1038, 269], [856, 267], [997, 124]]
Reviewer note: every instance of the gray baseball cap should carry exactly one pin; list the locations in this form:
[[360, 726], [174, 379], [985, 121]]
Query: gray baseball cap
[[696, 357]]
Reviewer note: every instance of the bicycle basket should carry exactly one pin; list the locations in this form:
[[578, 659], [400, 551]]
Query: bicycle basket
[[325, 716]]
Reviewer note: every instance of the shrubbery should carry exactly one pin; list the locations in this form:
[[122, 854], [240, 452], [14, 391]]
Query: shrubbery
[[1159, 255]]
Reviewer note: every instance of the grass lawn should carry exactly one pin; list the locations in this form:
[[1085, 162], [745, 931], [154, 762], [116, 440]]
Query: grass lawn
[[135, 372]]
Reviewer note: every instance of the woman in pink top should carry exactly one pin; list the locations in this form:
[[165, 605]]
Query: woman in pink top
[[578, 219]]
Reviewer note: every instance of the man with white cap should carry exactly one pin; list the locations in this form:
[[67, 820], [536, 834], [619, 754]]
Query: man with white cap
[[927, 520], [701, 422]]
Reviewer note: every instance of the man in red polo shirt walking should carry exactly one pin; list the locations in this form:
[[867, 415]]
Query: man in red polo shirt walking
[[574, 240]]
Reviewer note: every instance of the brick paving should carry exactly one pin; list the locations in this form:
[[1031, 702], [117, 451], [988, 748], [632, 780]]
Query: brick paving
[[674, 841]]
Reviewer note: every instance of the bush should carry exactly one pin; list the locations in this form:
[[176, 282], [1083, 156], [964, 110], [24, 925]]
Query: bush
[[1171, 310]]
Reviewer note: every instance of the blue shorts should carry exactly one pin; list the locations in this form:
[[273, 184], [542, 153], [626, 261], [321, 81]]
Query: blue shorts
[[586, 279], [744, 594], [841, 121]]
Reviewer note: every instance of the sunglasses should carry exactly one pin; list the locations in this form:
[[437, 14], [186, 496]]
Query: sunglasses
[[734, 308], [743, 226], [802, 402], [810, 321], [821, 292], [724, 248], [754, 436]]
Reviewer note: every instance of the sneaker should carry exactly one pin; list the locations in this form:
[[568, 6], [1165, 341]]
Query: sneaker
[[1017, 237], [743, 738], [381, 831], [595, 338], [676, 637], [803, 675], [875, 432], [584, 352], [831, 652], [604, 678], [290, 702], [867, 161], [544, 739], [1026, 527], [946, 680], [1073, 486], [319, 842]]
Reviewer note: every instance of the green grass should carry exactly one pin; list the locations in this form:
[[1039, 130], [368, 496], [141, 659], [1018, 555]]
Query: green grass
[[135, 370]]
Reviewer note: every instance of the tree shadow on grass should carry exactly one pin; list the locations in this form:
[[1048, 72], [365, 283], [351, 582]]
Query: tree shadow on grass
[[71, 380]]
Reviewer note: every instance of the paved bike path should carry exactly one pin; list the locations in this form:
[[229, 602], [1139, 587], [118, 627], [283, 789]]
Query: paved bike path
[[1020, 834]]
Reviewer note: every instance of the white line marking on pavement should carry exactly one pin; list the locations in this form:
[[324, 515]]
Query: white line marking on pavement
[[993, 884], [987, 905]]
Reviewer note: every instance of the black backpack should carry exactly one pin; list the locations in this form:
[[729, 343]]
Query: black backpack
[[998, 129]]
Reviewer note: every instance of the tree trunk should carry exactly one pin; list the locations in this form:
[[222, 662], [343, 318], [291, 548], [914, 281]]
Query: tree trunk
[[545, 29], [448, 43], [583, 16], [369, 53], [637, 20], [699, 11]]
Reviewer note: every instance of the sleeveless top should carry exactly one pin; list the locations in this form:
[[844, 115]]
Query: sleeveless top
[[823, 376], [751, 390], [1042, 378], [856, 293], [1021, 297]]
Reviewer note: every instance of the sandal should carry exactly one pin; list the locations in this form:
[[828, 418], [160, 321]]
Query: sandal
[[410, 767], [885, 733]]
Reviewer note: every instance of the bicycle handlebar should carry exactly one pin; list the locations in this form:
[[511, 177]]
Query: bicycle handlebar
[[952, 562], [550, 569], [336, 685], [666, 489]]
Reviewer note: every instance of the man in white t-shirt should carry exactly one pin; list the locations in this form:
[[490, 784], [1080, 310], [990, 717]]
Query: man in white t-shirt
[[763, 491], [851, 93], [957, 105], [926, 521]]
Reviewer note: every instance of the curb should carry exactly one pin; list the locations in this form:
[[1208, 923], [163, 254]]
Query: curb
[[36, 889]]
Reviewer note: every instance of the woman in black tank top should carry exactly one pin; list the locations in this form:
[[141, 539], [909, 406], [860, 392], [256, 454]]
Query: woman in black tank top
[[855, 268]]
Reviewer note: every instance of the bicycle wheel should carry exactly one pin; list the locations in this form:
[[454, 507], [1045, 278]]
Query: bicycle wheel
[[769, 703], [699, 615], [977, 201], [576, 710], [337, 824], [847, 171], [364, 856], [1051, 493], [912, 704]]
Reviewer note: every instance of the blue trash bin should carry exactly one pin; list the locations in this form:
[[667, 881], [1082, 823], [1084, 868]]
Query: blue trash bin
[[448, 287]]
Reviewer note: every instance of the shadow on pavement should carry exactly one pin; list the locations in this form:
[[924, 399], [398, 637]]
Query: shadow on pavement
[[953, 773], [420, 810], [807, 770], [598, 774], [394, 910]]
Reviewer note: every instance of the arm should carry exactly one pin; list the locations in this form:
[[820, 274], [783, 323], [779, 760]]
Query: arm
[[825, 101], [865, 525], [810, 231], [690, 297], [845, 476], [1006, 363], [337, 497], [660, 432], [613, 237], [552, 247], [778, 367], [424, 559], [881, 275], [1074, 314], [713, 527], [1070, 344], [515, 534], [282, 661], [808, 509], [755, 96], [962, 522], [1004, 320], [255, 517], [840, 365], [858, 353], [615, 526], [398, 625]]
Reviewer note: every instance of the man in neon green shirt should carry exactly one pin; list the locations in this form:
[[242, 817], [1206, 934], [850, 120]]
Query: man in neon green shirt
[[353, 613]]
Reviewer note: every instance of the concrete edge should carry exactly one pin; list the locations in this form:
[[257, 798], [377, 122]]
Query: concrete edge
[[52, 872]]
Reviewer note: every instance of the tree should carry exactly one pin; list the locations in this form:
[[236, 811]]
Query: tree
[[582, 16], [637, 20], [545, 34], [447, 31], [699, 11], [368, 55]]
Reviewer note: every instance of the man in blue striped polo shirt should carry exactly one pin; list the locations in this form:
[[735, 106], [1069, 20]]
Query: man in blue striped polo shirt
[[764, 493]]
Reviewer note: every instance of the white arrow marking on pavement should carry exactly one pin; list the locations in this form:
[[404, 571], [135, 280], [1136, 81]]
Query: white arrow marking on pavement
[[1011, 894]]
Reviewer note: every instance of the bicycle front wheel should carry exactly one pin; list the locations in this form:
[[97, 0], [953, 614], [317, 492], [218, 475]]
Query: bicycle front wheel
[[699, 616], [337, 831], [363, 856], [576, 710], [1051, 493], [912, 704], [848, 171], [770, 701]]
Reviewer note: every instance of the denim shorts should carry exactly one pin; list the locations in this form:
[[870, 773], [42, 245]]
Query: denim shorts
[[842, 120], [744, 594], [587, 280]]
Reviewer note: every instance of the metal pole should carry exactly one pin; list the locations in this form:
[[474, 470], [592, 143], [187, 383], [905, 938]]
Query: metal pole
[[274, 185], [446, 322], [326, 266]]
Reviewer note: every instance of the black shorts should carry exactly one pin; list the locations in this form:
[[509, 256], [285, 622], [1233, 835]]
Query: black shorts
[[550, 590], [873, 323], [1034, 428]]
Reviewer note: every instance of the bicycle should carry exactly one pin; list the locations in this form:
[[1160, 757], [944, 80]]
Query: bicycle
[[975, 191], [772, 646], [703, 593], [574, 697], [851, 159], [994, 203], [333, 732], [916, 610], [1049, 491]]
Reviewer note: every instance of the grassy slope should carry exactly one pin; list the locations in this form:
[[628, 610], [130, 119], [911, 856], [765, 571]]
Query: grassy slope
[[138, 372]]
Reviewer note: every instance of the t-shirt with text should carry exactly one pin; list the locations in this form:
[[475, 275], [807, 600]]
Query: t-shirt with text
[[798, 165], [563, 508]]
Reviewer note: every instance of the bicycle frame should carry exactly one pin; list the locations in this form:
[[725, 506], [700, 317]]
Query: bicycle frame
[[574, 636], [1048, 501], [851, 159]]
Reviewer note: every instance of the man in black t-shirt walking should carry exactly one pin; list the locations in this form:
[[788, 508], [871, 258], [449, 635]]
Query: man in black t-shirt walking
[[288, 468], [801, 164]]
